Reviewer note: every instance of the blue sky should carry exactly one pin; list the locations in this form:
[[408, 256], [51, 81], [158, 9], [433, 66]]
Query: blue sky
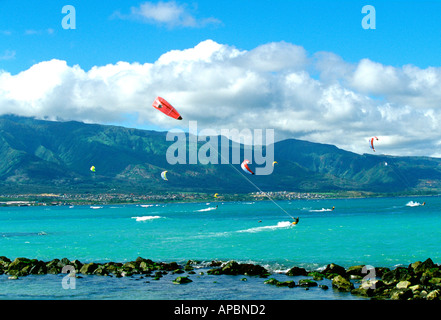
[[407, 32], [306, 69]]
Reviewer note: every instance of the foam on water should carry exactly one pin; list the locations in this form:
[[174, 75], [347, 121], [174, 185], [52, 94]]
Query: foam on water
[[146, 218], [281, 224]]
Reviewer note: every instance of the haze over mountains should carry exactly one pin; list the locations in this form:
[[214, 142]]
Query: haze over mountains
[[47, 156]]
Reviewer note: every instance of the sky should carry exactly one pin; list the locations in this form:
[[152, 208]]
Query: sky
[[310, 70]]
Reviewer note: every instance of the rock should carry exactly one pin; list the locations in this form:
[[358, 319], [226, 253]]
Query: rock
[[129, 266], [372, 284], [416, 287], [101, 271], [77, 265], [296, 271], [289, 284], [356, 271], [435, 280], [19, 267], [215, 263], [396, 275], [38, 268], [215, 271], [275, 282], [231, 267], [178, 271], [401, 294], [182, 280], [334, 269], [317, 276], [307, 283], [4, 261], [323, 286], [342, 284], [403, 284], [271, 281], [419, 267], [63, 262], [433, 295], [234, 268], [88, 268], [188, 267]]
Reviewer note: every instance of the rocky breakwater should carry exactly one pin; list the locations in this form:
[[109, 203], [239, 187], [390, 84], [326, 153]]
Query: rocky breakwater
[[23, 266], [418, 281]]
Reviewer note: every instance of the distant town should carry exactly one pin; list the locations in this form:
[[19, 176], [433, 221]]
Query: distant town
[[53, 199]]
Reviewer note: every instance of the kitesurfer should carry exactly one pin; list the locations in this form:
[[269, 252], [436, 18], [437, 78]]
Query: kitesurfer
[[296, 220]]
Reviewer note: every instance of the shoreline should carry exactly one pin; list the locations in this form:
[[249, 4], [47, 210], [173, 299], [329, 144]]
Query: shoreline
[[49, 199], [418, 281]]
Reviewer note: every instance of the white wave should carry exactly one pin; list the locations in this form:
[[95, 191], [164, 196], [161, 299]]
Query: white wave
[[95, 207], [145, 218], [146, 205], [281, 224], [320, 210], [413, 204], [207, 209]]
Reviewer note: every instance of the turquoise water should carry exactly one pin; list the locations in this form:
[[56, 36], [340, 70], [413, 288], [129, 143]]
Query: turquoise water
[[378, 231]]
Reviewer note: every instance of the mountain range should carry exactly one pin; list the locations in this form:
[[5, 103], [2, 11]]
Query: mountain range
[[55, 156]]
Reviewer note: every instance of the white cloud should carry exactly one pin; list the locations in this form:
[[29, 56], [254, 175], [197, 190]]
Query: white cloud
[[318, 97], [170, 14]]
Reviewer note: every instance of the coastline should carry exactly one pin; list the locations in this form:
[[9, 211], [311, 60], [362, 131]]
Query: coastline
[[420, 280], [65, 199]]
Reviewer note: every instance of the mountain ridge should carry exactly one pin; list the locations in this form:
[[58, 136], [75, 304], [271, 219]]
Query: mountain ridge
[[55, 156]]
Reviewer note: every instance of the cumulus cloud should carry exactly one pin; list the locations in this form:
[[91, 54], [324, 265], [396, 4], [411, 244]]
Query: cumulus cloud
[[317, 97], [168, 14]]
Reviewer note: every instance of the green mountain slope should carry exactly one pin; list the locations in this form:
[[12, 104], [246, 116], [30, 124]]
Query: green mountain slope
[[48, 156]]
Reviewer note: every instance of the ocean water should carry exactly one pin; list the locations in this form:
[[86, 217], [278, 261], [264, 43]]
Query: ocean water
[[384, 232]]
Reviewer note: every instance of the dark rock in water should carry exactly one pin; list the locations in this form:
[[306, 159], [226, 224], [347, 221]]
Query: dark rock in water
[[88, 268], [275, 282], [317, 276], [182, 280], [334, 269], [342, 284], [419, 267], [101, 271], [359, 271], [4, 262], [369, 288], [19, 267], [215, 263], [234, 268], [77, 265], [178, 271], [296, 271], [63, 262], [38, 268], [307, 283], [394, 276], [271, 281], [289, 284]]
